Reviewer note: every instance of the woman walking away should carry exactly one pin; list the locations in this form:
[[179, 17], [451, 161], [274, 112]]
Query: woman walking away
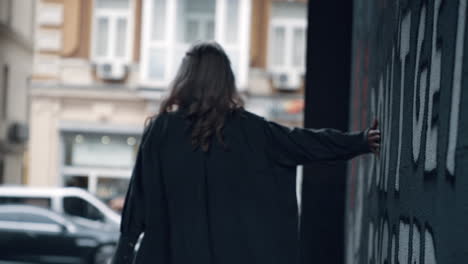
[[209, 183]]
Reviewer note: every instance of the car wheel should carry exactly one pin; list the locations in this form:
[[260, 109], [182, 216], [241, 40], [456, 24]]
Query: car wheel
[[104, 254]]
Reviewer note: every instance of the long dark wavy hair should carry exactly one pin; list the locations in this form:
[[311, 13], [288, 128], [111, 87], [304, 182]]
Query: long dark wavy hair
[[204, 90]]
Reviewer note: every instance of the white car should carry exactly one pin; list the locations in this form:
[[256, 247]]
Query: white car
[[75, 202]]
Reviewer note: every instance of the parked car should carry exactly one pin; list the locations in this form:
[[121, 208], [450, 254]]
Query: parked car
[[37, 235], [71, 201]]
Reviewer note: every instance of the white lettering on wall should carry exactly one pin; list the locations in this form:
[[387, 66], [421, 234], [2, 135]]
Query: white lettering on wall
[[456, 90], [416, 253], [380, 116], [388, 125], [370, 242], [430, 163], [393, 252], [372, 162], [429, 249], [418, 114], [403, 243], [404, 51], [385, 237]]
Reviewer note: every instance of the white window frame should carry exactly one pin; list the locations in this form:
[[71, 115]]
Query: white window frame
[[170, 43], [113, 14], [289, 25]]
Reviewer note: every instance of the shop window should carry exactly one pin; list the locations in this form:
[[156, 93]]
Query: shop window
[[100, 150], [99, 163]]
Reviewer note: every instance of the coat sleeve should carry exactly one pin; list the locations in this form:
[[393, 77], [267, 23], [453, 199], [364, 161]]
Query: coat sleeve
[[145, 182], [297, 146]]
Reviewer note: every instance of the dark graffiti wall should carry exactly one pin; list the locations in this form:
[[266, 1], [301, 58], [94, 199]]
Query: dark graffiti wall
[[410, 70]]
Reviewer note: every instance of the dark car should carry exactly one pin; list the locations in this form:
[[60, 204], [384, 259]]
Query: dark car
[[37, 235]]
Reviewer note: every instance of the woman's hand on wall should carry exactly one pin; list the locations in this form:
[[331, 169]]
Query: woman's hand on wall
[[373, 138]]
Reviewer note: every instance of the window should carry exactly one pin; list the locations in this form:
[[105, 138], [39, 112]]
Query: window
[[232, 33], [278, 46], [288, 37], [195, 20], [287, 45], [76, 206], [171, 26], [298, 59], [113, 30]]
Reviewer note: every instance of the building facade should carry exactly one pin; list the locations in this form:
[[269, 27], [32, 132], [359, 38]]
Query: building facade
[[16, 53], [102, 67]]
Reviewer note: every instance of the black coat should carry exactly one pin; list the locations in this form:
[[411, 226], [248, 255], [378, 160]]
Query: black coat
[[226, 206]]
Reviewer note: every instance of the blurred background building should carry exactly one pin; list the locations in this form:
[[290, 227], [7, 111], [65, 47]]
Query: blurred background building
[[91, 72], [16, 55]]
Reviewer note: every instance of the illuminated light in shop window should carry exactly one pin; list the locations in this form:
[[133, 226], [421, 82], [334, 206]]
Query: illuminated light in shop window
[[105, 140], [131, 141], [79, 139]]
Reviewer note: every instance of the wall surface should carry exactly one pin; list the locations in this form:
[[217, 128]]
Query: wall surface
[[16, 49], [54, 110], [410, 70], [16, 59]]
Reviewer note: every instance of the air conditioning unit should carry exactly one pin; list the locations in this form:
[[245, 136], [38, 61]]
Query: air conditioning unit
[[18, 133], [112, 71], [287, 81]]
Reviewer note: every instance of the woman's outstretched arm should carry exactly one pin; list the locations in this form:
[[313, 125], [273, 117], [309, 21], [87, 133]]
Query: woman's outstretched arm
[[291, 147]]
